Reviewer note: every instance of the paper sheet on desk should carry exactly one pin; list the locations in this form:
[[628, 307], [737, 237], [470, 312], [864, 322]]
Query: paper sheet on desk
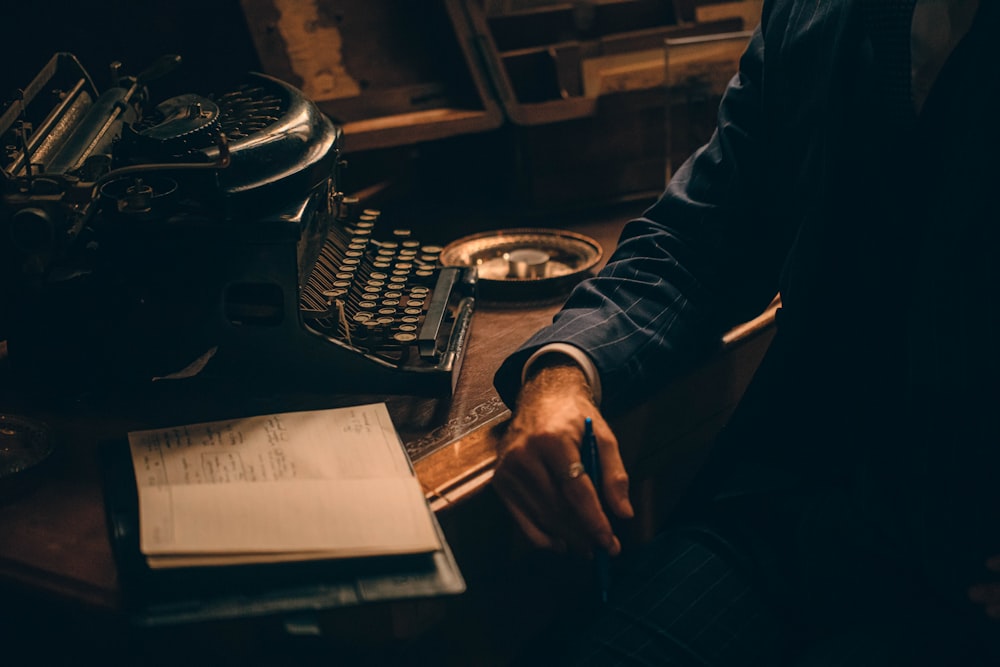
[[192, 369], [292, 486]]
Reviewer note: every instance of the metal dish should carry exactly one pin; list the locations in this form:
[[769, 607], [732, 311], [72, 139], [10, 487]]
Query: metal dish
[[525, 263]]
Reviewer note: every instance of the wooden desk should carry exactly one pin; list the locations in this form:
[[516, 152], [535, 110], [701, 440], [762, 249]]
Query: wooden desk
[[54, 544]]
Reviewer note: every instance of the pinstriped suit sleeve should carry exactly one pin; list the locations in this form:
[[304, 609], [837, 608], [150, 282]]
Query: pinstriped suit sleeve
[[682, 273]]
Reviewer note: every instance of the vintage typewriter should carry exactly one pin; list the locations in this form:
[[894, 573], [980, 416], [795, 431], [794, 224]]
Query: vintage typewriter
[[205, 235]]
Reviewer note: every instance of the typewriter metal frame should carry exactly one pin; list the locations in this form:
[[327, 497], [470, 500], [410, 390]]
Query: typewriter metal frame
[[141, 238]]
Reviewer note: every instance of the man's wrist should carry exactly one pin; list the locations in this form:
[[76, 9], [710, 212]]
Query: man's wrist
[[563, 354]]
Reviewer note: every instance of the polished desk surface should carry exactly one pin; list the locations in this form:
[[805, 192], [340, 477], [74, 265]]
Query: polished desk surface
[[54, 540]]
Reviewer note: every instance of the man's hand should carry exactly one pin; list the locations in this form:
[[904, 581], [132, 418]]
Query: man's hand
[[538, 475], [987, 595]]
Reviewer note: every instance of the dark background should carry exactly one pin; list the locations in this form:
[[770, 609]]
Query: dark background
[[210, 35]]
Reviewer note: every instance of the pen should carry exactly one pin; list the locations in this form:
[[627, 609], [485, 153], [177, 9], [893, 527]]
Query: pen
[[592, 465]]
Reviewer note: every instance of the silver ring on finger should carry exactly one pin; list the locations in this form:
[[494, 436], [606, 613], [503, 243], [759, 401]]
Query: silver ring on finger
[[574, 471]]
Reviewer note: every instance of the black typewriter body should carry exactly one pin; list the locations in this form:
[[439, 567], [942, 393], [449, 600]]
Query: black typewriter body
[[206, 235]]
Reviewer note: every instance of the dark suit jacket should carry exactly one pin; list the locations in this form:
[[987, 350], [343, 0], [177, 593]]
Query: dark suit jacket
[[878, 228]]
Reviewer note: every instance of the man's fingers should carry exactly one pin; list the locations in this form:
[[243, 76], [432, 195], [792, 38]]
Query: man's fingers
[[615, 479], [531, 530], [525, 484], [582, 497], [554, 503], [614, 491], [540, 473]]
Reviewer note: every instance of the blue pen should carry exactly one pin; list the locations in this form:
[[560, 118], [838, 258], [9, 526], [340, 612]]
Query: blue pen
[[592, 465]]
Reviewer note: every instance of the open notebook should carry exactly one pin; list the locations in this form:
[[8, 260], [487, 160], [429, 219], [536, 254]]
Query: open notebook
[[272, 513]]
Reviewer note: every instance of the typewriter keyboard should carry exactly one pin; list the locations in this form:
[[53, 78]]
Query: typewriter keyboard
[[384, 294]]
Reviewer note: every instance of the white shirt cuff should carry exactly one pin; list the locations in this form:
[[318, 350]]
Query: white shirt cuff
[[578, 356]]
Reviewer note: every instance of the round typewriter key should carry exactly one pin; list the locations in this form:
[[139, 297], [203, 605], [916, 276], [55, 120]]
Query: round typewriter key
[[390, 302], [351, 261], [342, 283], [415, 303], [381, 265], [378, 275], [344, 275], [334, 293], [407, 254], [369, 297], [393, 295], [419, 289], [395, 285], [413, 311], [372, 211], [367, 305], [372, 289], [362, 317], [410, 243], [401, 233], [404, 337], [429, 259], [432, 249], [386, 310], [366, 221], [404, 265], [375, 282], [424, 273], [407, 327], [388, 245], [409, 319], [356, 246]]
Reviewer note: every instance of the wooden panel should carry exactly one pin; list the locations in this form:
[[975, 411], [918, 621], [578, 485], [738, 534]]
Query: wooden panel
[[391, 73], [538, 54]]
